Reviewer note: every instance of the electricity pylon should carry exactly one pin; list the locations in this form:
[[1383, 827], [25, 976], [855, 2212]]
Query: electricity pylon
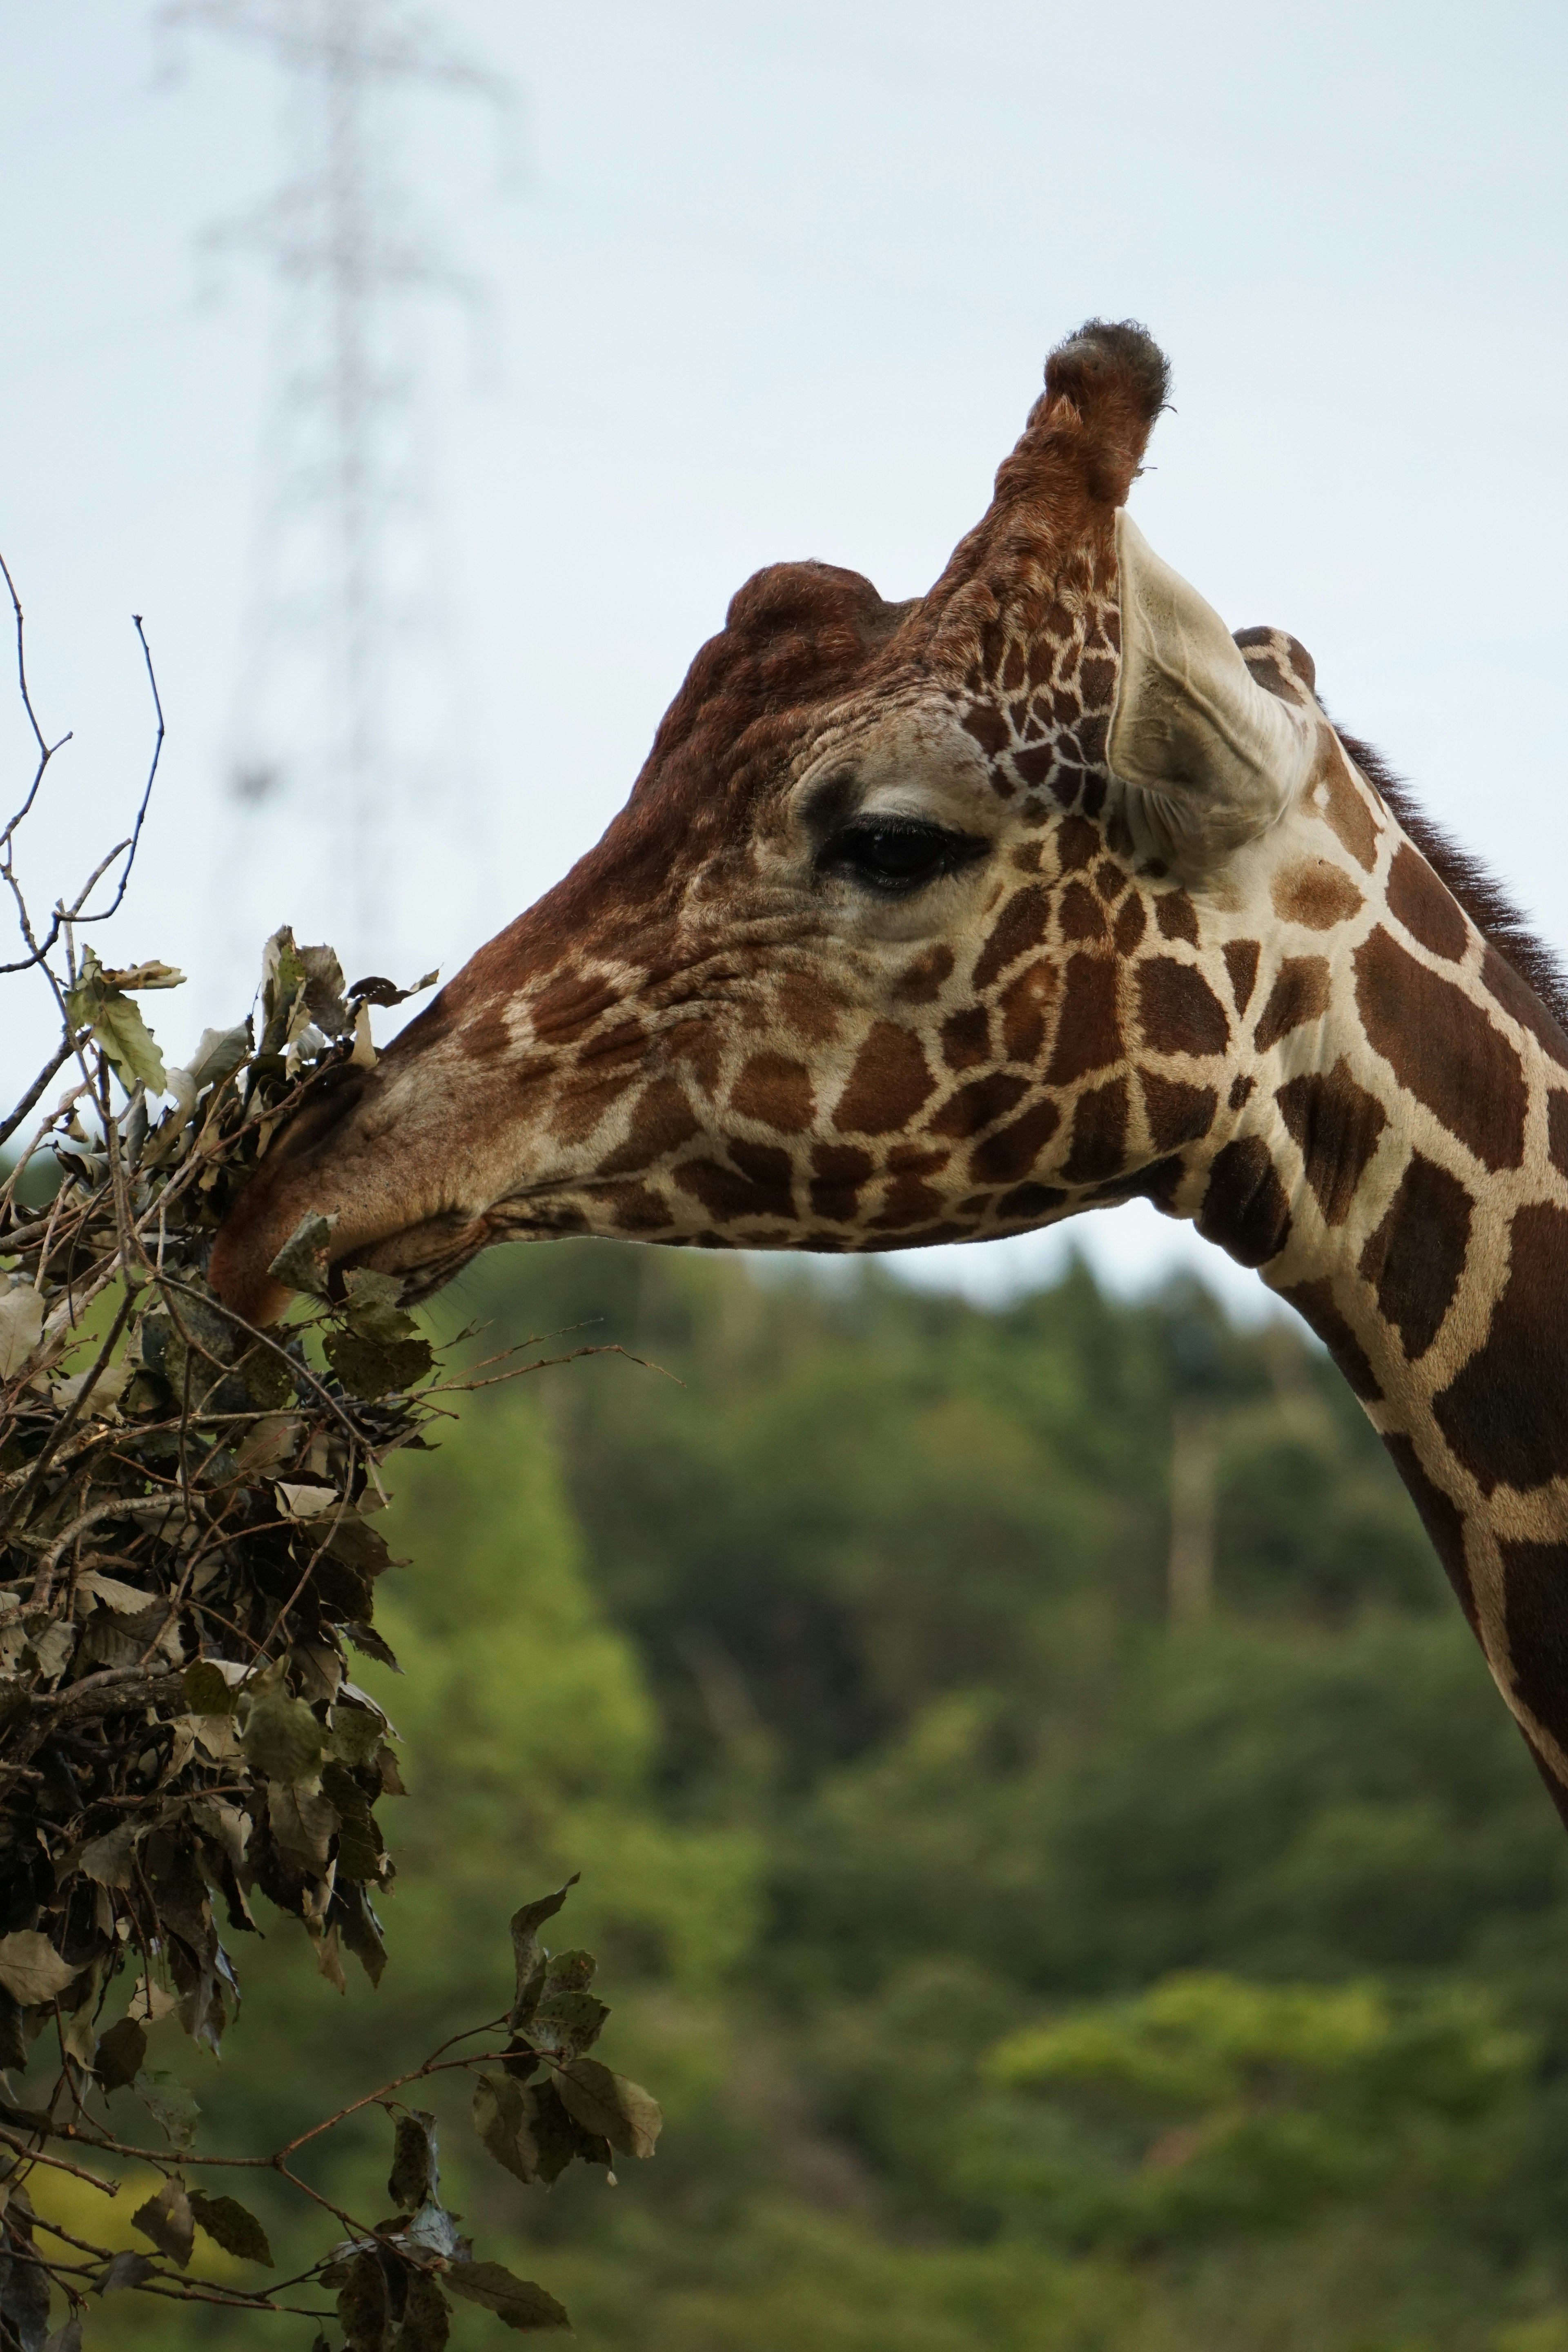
[[344, 687]]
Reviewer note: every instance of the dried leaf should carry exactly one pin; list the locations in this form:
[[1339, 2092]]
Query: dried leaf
[[426, 2316], [529, 2131], [517, 2303], [107, 1859], [168, 2221], [304, 1823], [120, 2054], [31, 1970], [170, 2105], [230, 2225], [144, 975], [414, 2178], [364, 2311], [302, 1261], [98, 1002], [126, 2270], [370, 1369], [628, 2117], [307, 1502], [528, 1959], [21, 1328], [25, 2301]]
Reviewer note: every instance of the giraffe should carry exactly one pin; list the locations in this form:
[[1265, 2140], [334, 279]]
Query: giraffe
[[938, 921]]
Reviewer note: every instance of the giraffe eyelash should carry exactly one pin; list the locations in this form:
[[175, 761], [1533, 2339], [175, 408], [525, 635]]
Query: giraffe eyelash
[[895, 855]]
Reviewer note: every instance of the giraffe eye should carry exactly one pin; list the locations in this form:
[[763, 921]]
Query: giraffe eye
[[898, 856]]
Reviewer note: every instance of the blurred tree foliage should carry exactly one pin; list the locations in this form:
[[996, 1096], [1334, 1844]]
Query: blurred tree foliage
[[1020, 1971]]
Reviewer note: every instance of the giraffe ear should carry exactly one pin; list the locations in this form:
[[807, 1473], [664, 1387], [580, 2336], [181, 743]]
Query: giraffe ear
[[1215, 760]]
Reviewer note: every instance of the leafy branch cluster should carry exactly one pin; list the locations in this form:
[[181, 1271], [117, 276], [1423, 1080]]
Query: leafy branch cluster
[[189, 1550]]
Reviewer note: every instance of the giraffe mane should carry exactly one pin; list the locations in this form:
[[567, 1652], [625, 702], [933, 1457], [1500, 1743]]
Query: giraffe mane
[[1489, 905]]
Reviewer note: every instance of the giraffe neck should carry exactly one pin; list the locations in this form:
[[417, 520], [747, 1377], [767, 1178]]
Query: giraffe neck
[[1398, 1171]]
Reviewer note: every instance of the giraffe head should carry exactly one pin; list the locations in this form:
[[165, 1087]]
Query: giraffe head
[[896, 940]]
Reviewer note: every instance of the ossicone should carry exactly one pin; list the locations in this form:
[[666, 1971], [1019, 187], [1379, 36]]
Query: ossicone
[[1116, 378]]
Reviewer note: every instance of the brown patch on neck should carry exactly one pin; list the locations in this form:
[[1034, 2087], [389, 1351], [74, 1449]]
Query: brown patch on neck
[[1489, 906]]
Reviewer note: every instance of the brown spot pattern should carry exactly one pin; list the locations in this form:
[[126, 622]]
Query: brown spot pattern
[[1535, 1613], [1098, 1134], [966, 1037], [1025, 1005], [1557, 1130], [1441, 1517], [1348, 814], [1442, 1049], [1316, 1305], [979, 1105], [887, 1084], [1178, 1011], [1315, 894], [1505, 1416], [1418, 900], [1244, 1209], [1299, 994], [1177, 917], [1088, 1034], [1241, 963], [1176, 1113], [1416, 1257], [775, 1091], [1335, 1124], [1501, 982], [1012, 1150], [1020, 926]]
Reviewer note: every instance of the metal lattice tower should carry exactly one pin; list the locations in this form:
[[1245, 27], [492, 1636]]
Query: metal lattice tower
[[345, 689]]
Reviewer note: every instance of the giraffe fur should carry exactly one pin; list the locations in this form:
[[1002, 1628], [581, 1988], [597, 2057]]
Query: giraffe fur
[[1237, 985]]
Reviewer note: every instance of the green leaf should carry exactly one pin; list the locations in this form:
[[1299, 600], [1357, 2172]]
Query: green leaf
[[31, 1970], [414, 2178], [230, 2225], [355, 1733], [167, 2219], [626, 2114], [120, 2054], [564, 2024], [369, 1369], [281, 1737], [517, 2303], [169, 2103], [302, 1261], [206, 1690], [570, 1971]]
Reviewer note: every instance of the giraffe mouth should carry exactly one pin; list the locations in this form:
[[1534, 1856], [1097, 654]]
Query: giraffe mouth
[[426, 1256]]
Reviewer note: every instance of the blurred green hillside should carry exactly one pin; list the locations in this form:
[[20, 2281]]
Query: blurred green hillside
[[1049, 1928]]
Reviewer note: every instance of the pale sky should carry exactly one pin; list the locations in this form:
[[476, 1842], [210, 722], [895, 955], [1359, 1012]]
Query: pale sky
[[778, 282]]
